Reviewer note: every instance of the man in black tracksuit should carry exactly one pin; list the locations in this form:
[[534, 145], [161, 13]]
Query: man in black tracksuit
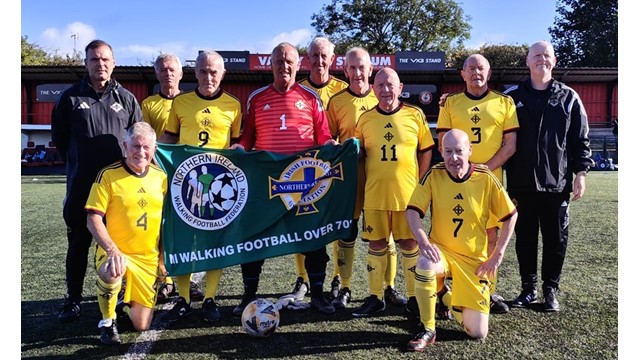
[[88, 122], [552, 146]]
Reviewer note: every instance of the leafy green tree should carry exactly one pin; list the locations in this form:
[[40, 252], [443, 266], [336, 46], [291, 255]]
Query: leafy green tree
[[33, 54], [68, 60], [388, 26], [499, 56], [585, 33]]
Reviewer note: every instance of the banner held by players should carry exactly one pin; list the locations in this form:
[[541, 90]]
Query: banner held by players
[[227, 207]]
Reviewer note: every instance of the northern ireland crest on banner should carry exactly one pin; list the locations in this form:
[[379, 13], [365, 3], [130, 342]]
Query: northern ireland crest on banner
[[208, 191], [305, 181]]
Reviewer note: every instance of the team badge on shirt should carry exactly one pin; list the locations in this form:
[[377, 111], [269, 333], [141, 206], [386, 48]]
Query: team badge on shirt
[[300, 104], [208, 191], [305, 181]]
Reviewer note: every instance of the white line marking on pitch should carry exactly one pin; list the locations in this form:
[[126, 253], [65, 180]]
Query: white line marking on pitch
[[144, 342]]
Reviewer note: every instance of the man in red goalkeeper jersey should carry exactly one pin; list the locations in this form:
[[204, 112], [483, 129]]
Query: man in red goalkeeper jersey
[[285, 117]]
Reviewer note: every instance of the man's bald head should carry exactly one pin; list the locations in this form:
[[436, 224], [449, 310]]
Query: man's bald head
[[456, 150]]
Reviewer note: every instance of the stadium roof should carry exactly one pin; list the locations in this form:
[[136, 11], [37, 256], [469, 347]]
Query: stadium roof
[[66, 74]]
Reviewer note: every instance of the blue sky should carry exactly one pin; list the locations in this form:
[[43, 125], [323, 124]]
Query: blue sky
[[139, 30]]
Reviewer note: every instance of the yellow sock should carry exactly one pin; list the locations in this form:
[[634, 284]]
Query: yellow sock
[[300, 269], [168, 280], [184, 282], [107, 298], [427, 297], [392, 265], [212, 281], [456, 312], [493, 284], [376, 263], [336, 253], [345, 260], [409, 261]]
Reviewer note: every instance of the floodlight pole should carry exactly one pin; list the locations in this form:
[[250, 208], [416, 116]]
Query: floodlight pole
[[75, 38]]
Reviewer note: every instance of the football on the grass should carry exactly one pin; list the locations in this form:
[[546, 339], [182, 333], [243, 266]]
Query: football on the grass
[[260, 318]]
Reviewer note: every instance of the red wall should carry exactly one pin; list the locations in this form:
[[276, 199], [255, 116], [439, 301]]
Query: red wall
[[594, 99], [614, 103], [138, 89], [593, 95]]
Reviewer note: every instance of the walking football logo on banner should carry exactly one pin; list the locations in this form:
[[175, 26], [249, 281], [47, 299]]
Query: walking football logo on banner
[[208, 191]]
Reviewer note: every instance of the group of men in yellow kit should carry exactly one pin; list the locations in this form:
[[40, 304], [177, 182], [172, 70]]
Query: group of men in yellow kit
[[449, 271]]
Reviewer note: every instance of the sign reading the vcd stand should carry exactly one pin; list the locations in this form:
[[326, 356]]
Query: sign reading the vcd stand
[[422, 61]]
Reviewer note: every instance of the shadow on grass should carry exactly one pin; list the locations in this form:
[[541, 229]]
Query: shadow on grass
[[301, 333]]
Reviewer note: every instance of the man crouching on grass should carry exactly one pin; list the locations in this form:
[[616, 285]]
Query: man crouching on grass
[[128, 196], [456, 246]]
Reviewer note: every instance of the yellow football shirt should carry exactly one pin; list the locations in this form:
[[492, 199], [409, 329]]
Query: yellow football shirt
[[344, 110], [209, 122], [327, 90], [132, 207], [155, 111], [460, 208], [391, 142], [485, 120]]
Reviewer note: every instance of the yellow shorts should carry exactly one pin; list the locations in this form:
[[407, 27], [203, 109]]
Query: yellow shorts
[[467, 289], [141, 275], [380, 224]]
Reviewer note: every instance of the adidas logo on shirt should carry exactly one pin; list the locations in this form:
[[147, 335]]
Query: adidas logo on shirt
[[266, 107], [388, 126], [459, 197], [83, 105], [363, 108], [519, 104], [475, 108], [141, 191], [206, 111]]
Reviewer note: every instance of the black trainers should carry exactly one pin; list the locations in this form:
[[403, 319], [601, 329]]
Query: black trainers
[[237, 311], [71, 310], [321, 304], [109, 332], [180, 309], [412, 306], [526, 297], [551, 300], [393, 296], [344, 297], [498, 306], [167, 292], [210, 310], [442, 311], [421, 340], [194, 292], [300, 289], [371, 306], [335, 287], [122, 318]]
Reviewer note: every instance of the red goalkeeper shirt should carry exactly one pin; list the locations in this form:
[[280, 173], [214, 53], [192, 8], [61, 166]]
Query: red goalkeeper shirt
[[284, 122]]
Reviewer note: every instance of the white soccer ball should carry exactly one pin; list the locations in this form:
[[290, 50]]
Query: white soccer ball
[[225, 191], [260, 318]]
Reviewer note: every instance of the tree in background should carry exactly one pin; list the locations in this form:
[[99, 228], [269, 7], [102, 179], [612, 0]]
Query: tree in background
[[585, 33], [33, 54], [499, 56], [388, 26]]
